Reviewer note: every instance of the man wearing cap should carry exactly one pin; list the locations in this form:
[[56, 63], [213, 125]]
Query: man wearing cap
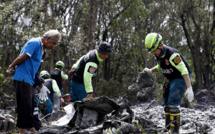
[[85, 69]]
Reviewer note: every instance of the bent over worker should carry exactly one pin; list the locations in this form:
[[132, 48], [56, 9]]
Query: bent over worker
[[85, 69], [174, 67], [46, 106]]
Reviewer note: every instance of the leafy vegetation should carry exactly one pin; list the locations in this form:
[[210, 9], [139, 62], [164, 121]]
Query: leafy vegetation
[[187, 26]]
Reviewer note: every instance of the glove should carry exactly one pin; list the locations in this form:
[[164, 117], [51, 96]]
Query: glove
[[43, 93], [149, 71], [189, 94]]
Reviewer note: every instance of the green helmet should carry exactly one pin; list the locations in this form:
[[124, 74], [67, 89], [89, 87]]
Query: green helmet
[[152, 41], [60, 64], [44, 74]]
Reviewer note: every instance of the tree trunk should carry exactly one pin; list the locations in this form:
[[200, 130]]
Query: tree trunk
[[195, 53]]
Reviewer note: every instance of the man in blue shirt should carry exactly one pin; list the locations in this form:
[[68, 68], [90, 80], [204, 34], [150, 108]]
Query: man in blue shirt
[[28, 63]]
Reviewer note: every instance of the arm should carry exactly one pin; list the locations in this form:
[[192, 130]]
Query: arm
[[154, 69], [27, 51], [37, 80], [89, 71], [64, 76], [176, 61], [187, 80], [17, 61], [75, 66], [56, 88], [77, 63]]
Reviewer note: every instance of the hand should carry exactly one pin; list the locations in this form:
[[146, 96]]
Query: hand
[[189, 94], [11, 70], [149, 71], [43, 81], [72, 71], [43, 93], [89, 95]]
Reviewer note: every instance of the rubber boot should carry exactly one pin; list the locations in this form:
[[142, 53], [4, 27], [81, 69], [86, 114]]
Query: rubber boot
[[167, 120], [175, 123]]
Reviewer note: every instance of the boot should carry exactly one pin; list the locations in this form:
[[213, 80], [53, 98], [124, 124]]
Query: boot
[[175, 123], [167, 120]]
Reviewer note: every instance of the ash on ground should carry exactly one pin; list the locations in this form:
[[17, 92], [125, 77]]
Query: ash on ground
[[104, 115]]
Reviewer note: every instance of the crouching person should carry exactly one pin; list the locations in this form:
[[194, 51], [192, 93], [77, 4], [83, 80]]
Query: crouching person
[[53, 100]]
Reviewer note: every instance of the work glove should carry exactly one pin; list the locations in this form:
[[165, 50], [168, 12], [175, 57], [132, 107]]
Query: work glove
[[43, 93], [149, 71], [189, 94]]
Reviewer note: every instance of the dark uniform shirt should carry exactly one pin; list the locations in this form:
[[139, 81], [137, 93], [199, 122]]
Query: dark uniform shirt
[[86, 68], [172, 64], [56, 75]]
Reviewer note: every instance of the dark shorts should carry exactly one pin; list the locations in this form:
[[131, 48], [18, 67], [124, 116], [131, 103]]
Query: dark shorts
[[25, 104]]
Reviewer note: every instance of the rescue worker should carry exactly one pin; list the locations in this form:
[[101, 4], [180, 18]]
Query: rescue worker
[[51, 84], [58, 75], [46, 106], [85, 69], [174, 67]]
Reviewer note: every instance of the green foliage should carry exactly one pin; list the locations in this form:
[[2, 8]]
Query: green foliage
[[111, 88], [139, 126], [84, 24], [2, 78]]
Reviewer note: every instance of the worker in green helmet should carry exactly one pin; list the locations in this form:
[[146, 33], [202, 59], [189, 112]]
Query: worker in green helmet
[[58, 75], [47, 106], [51, 84], [175, 68]]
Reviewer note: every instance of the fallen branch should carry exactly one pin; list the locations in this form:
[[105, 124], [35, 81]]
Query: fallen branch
[[10, 121]]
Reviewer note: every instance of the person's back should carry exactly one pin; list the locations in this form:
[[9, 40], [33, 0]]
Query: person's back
[[58, 75], [48, 84]]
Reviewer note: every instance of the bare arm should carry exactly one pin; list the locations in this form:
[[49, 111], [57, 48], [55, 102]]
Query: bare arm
[[187, 80], [71, 71], [17, 61]]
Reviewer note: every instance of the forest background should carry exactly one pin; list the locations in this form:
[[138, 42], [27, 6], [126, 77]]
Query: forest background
[[186, 25]]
